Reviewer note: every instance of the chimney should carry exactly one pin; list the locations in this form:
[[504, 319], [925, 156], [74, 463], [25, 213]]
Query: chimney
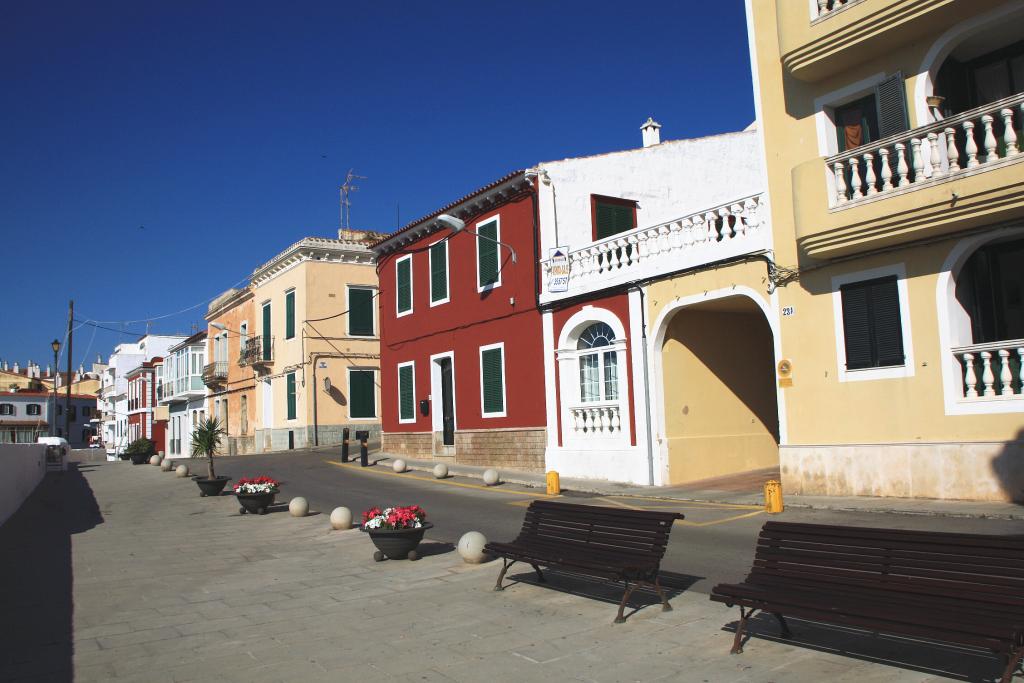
[[651, 132], [15, 368], [6, 366], [47, 369]]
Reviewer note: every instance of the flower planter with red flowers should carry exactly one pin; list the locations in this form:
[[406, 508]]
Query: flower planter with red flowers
[[256, 494], [396, 531]]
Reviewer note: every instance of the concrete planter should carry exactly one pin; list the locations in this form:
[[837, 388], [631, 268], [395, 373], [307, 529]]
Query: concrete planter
[[255, 503], [139, 458], [211, 487], [397, 544]]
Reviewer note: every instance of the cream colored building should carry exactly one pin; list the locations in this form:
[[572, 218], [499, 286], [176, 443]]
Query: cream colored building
[[314, 343], [892, 133]]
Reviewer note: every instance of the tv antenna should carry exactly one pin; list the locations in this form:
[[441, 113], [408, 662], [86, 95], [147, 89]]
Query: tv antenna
[[347, 188]]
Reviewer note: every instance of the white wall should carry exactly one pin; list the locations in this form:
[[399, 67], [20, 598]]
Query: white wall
[[22, 467]]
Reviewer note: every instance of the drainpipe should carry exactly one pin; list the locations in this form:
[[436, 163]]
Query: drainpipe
[[316, 423], [647, 388]]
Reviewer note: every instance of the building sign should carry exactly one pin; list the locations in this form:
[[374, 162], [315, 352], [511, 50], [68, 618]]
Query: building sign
[[558, 270]]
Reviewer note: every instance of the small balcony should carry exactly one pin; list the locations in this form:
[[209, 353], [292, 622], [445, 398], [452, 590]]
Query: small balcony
[[216, 373], [714, 234], [992, 371], [596, 420], [258, 350]]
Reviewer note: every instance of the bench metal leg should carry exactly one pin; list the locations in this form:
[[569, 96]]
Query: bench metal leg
[[619, 619], [737, 643], [501, 576], [665, 607], [783, 626], [540, 577], [1011, 667]]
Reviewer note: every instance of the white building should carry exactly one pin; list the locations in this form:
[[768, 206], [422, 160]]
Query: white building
[[183, 392], [610, 225]]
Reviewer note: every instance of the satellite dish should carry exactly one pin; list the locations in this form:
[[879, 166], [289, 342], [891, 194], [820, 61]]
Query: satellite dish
[[327, 384]]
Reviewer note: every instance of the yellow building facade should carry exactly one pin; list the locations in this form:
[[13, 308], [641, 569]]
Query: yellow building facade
[[892, 134], [314, 344], [231, 381]]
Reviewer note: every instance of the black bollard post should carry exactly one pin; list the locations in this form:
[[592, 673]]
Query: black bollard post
[[364, 451], [344, 444]]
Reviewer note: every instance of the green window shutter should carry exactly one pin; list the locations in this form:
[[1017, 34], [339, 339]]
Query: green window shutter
[[289, 315], [403, 284], [611, 219], [361, 400], [492, 372], [267, 338], [406, 400], [439, 272], [291, 395], [891, 100], [360, 312], [872, 327], [487, 254]]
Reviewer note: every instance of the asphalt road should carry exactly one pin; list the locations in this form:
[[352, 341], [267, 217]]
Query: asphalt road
[[715, 543]]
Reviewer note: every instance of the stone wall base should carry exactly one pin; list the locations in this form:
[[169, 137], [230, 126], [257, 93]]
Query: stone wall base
[[303, 437], [515, 449], [990, 471]]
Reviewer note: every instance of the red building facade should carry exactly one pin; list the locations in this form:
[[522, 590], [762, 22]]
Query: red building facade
[[142, 403], [462, 364]]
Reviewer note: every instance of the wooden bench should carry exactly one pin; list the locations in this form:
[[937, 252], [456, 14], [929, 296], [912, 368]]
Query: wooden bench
[[965, 589], [614, 543]]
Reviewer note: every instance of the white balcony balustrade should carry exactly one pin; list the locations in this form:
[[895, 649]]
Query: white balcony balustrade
[[959, 145], [826, 8], [706, 236], [596, 420], [992, 371]]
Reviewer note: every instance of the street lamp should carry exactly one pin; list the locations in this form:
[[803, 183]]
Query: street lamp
[[55, 345], [457, 225]]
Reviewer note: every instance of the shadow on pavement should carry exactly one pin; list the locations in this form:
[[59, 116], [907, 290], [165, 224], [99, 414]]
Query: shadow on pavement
[[937, 659], [604, 590], [36, 582], [429, 548]]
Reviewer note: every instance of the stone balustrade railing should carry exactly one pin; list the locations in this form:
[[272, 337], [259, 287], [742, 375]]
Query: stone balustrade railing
[[596, 420], [706, 236], [944, 149], [993, 370], [828, 7]]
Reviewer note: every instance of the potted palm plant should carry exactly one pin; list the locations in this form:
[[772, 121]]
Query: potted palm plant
[[140, 451], [205, 443]]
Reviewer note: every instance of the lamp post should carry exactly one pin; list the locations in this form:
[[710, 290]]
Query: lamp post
[[458, 225], [55, 345]]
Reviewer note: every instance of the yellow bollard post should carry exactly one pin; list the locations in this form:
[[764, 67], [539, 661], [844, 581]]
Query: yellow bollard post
[[773, 497], [554, 486]]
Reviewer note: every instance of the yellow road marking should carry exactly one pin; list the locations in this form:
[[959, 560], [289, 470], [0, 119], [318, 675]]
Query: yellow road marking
[[720, 521], [696, 503], [443, 481]]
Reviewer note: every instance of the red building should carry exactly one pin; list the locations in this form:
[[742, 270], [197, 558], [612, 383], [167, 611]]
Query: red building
[[462, 366], [142, 403]]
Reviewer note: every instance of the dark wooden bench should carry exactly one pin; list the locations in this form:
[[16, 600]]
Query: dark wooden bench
[[965, 589], [614, 543]]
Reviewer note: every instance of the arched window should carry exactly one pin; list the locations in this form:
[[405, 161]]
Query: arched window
[[33, 409], [599, 373]]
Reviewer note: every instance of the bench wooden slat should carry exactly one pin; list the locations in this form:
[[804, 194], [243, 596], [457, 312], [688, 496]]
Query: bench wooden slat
[[883, 556]]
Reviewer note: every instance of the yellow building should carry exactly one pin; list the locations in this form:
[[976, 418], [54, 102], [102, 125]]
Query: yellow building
[[314, 344], [892, 138], [231, 382]]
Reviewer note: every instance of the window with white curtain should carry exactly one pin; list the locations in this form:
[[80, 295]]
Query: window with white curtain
[[599, 371]]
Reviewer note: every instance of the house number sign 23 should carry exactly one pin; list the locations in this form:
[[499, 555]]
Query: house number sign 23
[[788, 311]]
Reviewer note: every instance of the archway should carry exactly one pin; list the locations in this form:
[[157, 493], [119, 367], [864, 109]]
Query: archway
[[719, 399]]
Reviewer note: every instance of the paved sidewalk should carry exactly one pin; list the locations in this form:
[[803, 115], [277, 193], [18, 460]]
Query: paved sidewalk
[[743, 489], [168, 586]]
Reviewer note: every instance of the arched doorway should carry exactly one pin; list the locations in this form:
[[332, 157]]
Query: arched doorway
[[719, 403]]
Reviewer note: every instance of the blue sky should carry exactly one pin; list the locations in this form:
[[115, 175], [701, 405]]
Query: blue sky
[[224, 130]]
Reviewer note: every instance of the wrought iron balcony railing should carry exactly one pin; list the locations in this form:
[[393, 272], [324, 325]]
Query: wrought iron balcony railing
[[215, 373], [258, 350]]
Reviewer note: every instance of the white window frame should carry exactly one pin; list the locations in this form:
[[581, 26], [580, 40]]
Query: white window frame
[[617, 347], [348, 391], [373, 310], [447, 273], [398, 385], [476, 254], [889, 371], [412, 298], [504, 381]]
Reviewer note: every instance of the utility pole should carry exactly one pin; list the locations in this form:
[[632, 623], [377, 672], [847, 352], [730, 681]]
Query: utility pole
[[67, 400]]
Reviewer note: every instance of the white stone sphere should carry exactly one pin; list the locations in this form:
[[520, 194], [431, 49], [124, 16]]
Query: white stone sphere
[[298, 507], [471, 547], [440, 470], [154, 460], [341, 518], [181, 470], [166, 465], [398, 465], [491, 477]]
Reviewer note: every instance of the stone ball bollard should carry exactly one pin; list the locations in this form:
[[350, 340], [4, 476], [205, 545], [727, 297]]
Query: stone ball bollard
[[341, 518], [166, 465], [298, 507], [491, 477], [154, 460], [440, 470], [471, 547], [398, 466], [181, 470]]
